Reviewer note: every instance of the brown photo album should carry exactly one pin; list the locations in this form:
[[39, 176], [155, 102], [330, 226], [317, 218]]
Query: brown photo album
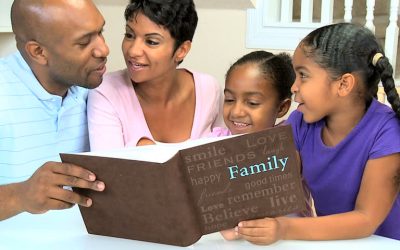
[[174, 194]]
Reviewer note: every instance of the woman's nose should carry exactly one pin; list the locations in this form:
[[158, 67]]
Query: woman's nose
[[135, 48]]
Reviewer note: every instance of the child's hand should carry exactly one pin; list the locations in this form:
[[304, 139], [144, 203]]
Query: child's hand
[[261, 232], [230, 234]]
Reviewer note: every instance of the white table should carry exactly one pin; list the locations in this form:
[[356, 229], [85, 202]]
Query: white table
[[57, 230]]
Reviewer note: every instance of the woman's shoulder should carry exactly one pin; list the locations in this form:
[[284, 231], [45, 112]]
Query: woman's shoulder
[[204, 80], [114, 80]]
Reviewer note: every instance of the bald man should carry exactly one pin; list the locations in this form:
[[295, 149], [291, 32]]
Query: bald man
[[43, 89]]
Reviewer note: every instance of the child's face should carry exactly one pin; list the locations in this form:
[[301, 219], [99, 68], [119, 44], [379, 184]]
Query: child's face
[[314, 90], [251, 102]]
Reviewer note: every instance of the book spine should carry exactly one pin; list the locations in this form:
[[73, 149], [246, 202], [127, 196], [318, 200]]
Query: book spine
[[184, 220]]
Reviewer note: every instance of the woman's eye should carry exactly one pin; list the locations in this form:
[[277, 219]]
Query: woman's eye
[[152, 43], [128, 35]]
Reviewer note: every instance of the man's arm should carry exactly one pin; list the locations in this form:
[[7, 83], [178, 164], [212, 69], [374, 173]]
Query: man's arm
[[44, 190]]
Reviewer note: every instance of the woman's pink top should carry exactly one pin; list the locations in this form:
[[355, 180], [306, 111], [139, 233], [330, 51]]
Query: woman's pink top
[[116, 118]]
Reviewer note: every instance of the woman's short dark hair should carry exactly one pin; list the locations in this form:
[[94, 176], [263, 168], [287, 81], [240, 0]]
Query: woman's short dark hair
[[179, 17]]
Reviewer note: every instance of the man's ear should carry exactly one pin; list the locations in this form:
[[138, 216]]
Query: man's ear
[[182, 51], [36, 52], [346, 84], [284, 107]]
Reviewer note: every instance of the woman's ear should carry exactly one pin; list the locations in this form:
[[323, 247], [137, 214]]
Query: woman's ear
[[36, 52], [284, 107], [346, 84], [182, 51]]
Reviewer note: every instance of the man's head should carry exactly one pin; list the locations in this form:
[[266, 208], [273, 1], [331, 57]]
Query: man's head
[[62, 42]]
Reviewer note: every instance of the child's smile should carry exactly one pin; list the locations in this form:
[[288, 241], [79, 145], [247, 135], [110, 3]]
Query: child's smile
[[251, 102]]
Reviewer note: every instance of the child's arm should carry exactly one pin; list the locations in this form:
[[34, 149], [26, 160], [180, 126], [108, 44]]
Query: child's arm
[[376, 196]]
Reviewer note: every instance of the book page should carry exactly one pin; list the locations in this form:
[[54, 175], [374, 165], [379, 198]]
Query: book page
[[158, 153]]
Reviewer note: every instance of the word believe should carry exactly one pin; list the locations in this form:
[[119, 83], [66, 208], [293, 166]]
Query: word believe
[[272, 163]]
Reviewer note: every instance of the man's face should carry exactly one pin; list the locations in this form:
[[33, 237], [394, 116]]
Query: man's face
[[78, 53]]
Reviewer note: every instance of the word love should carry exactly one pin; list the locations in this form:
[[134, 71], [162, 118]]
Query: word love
[[272, 163]]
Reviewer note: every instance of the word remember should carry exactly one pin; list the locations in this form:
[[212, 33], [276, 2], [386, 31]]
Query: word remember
[[272, 163]]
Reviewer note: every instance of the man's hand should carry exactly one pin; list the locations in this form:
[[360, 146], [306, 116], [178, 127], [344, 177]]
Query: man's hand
[[44, 190]]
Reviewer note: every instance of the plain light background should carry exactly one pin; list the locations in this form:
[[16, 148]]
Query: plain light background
[[219, 39]]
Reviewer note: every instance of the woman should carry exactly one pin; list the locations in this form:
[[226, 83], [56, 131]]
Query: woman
[[152, 101]]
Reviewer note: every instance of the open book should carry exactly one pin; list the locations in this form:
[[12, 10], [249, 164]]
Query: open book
[[175, 193]]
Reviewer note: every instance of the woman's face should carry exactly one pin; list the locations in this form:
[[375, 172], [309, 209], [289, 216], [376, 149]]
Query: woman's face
[[148, 50]]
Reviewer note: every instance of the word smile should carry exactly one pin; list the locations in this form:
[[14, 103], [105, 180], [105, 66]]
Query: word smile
[[272, 163]]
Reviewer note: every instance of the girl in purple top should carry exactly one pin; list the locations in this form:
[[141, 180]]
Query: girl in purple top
[[348, 141]]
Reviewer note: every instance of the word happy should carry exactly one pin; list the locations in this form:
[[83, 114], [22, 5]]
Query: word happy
[[272, 163]]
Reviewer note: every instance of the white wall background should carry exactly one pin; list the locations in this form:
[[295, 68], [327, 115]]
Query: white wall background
[[219, 39]]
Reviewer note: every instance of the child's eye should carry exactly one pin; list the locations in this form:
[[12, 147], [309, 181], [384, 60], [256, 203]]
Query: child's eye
[[302, 75], [253, 103], [228, 100]]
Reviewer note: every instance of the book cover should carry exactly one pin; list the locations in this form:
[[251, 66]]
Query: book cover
[[175, 194]]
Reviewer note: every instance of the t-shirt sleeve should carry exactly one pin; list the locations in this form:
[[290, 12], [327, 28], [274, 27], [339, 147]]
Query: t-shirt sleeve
[[298, 127], [387, 140]]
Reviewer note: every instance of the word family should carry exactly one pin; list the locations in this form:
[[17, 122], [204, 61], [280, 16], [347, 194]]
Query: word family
[[272, 163]]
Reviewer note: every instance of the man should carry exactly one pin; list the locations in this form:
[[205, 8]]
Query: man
[[43, 105]]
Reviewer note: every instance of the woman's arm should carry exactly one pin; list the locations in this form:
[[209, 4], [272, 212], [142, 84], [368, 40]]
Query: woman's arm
[[376, 196]]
